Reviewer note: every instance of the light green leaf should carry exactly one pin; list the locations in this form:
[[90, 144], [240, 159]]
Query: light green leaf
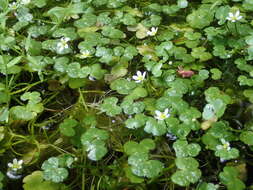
[[66, 127], [154, 127], [230, 177], [247, 137], [110, 106]]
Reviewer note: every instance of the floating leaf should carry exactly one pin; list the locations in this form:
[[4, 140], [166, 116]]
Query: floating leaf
[[247, 137], [52, 171], [93, 141], [155, 127], [110, 106], [139, 159], [138, 121], [66, 127], [183, 149], [230, 177], [123, 86], [35, 181], [188, 173], [207, 186]]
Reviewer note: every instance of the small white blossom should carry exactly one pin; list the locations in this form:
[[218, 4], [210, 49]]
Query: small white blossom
[[170, 62], [15, 165], [25, 2], [63, 44], [139, 77], [13, 175], [84, 54], [222, 160], [171, 137], [234, 17], [225, 145], [91, 78], [75, 16], [13, 5], [152, 32], [162, 115]]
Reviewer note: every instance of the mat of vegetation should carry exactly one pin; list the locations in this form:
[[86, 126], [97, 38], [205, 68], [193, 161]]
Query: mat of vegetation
[[126, 94]]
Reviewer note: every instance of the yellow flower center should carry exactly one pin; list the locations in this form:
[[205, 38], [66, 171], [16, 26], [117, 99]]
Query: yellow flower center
[[140, 78], [234, 18], [225, 146], [85, 54], [17, 166], [163, 116]]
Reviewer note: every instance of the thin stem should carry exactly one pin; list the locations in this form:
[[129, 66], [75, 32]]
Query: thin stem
[[93, 91], [60, 149], [236, 29], [83, 160], [82, 99], [26, 88]]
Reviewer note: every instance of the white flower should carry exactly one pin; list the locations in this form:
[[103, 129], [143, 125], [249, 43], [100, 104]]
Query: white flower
[[162, 115], [15, 165], [170, 62], [92, 78], [84, 54], [225, 145], [13, 5], [13, 175], [63, 44], [75, 16], [139, 77], [234, 17], [25, 2], [152, 32]]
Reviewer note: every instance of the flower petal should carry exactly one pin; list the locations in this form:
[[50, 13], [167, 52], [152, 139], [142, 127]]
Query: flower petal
[[15, 161], [135, 77], [237, 13], [66, 39], [219, 147], [139, 73], [144, 74], [239, 17], [158, 113], [223, 141], [157, 117], [230, 15], [20, 162]]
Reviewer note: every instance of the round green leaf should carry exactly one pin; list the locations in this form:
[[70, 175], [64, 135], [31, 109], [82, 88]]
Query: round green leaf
[[247, 137]]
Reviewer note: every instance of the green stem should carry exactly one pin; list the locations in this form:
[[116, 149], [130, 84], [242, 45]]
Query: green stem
[[60, 149], [83, 160], [26, 88], [82, 99], [236, 29], [50, 98], [93, 91]]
